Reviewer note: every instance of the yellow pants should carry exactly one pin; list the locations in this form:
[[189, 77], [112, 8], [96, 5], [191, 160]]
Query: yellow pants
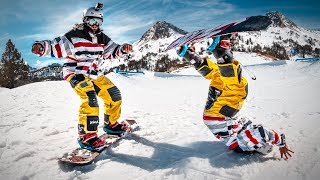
[[88, 89]]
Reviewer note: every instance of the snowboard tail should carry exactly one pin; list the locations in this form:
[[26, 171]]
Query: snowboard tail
[[80, 156], [253, 23]]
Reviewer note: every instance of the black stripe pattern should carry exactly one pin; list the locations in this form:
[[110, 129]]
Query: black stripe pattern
[[79, 53]]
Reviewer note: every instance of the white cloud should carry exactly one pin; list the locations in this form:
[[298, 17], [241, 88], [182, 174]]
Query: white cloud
[[117, 26], [39, 36], [60, 23], [120, 17]]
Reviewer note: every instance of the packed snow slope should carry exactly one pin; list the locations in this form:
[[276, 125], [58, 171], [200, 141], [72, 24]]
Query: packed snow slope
[[38, 123]]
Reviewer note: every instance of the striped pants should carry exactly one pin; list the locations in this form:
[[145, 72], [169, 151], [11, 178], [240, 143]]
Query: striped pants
[[240, 135], [88, 90]]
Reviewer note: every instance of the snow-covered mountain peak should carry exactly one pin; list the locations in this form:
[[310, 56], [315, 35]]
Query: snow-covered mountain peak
[[160, 30], [279, 20]]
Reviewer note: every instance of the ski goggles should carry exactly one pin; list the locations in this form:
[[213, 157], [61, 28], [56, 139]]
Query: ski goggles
[[94, 21], [223, 43]]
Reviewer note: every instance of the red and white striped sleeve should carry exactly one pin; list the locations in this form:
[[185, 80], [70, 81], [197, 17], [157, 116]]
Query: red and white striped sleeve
[[113, 50], [59, 47], [275, 138]]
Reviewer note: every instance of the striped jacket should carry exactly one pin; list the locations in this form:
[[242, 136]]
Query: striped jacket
[[83, 51]]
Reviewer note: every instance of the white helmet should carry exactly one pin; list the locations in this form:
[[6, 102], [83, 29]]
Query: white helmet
[[93, 15]]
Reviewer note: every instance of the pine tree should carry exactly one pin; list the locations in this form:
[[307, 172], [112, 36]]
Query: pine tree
[[14, 71]]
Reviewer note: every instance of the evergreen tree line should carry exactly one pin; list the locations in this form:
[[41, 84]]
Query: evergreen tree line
[[13, 70], [164, 64]]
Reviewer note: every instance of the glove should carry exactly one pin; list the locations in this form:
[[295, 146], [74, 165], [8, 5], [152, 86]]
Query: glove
[[188, 54], [285, 152], [182, 50], [37, 48], [126, 48]]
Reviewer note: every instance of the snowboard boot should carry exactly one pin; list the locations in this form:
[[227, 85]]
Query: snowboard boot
[[92, 142], [118, 129]]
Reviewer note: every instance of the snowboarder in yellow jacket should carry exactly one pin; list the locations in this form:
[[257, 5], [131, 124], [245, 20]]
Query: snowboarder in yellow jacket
[[227, 93]]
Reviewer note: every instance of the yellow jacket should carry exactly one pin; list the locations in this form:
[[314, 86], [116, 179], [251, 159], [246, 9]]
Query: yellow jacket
[[228, 89]]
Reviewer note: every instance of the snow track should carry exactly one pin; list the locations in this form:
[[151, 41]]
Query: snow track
[[39, 123]]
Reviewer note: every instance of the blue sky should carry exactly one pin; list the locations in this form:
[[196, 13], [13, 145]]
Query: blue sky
[[25, 21]]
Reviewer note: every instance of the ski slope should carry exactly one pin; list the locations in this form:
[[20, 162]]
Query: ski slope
[[38, 123]]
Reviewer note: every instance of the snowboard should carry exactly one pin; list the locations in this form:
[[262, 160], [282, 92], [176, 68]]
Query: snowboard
[[80, 156], [253, 23]]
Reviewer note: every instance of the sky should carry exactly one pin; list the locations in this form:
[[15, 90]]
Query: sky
[[25, 21]]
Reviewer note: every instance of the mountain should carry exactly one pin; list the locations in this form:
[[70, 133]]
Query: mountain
[[51, 72], [161, 30], [279, 20], [158, 37], [283, 39], [149, 48]]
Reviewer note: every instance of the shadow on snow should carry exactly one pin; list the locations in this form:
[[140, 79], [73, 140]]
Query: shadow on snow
[[168, 155]]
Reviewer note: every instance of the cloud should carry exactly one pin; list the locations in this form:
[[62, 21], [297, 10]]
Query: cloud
[[121, 17], [39, 36], [60, 23], [118, 27]]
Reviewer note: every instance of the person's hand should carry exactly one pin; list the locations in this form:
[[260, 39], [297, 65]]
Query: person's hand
[[285, 151], [37, 49], [126, 48], [183, 50]]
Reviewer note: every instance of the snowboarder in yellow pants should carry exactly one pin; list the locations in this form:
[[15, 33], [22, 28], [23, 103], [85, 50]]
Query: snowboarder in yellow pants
[[84, 48], [88, 90]]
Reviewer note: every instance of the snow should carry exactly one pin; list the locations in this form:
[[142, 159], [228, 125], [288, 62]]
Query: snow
[[279, 35], [39, 123]]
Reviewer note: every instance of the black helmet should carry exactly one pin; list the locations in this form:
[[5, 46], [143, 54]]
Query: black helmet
[[220, 48]]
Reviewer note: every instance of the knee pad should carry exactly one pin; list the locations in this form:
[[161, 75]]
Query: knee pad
[[114, 93], [93, 102]]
